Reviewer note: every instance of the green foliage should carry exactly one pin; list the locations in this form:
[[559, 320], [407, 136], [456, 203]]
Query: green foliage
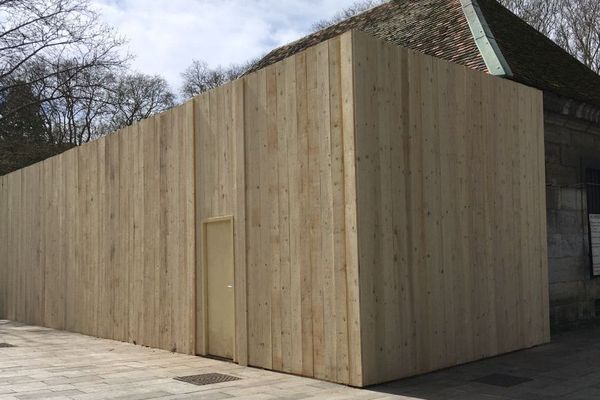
[[21, 116], [15, 154]]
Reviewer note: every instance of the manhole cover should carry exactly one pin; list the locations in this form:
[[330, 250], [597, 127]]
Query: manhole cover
[[6, 345], [206, 379], [502, 380]]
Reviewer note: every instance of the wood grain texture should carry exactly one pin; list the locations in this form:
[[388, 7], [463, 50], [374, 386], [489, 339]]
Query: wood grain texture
[[85, 233], [219, 142], [296, 233], [388, 216], [451, 231]]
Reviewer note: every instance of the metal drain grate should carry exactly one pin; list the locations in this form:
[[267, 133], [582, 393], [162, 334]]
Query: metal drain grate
[[206, 379], [502, 380], [2, 345]]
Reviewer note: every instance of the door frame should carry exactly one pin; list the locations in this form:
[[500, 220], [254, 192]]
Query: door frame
[[204, 285]]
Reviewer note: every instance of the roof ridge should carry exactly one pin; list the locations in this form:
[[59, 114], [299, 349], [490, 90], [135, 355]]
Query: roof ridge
[[443, 20], [323, 32], [485, 40]]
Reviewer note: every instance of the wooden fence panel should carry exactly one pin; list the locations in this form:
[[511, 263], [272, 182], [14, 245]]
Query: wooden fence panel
[[450, 213], [352, 153], [296, 215], [84, 233]]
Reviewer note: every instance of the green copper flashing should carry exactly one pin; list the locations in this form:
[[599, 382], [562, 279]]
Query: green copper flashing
[[484, 38]]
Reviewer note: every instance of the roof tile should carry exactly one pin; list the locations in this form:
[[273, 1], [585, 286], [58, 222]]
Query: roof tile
[[434, 27], [439, 28]]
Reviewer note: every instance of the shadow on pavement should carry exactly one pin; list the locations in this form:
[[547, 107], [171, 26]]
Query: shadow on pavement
[[566, 369]]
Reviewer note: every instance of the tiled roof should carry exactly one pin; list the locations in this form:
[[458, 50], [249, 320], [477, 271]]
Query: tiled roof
[[536, 60], [439, 28], [435, 27]]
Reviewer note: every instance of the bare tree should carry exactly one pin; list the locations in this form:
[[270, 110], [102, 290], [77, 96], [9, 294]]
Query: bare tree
[[572, 24], [138, 96], [199, 77], [543, 15], [81, 109], [34, 34], [579, 31], [356, 8]]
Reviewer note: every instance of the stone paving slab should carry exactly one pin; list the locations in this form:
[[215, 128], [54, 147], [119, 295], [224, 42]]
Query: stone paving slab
[[50, 364]]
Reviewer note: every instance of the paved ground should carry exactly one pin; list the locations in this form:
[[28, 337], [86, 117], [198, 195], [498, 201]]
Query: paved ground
[[61, 365], [566, 369]]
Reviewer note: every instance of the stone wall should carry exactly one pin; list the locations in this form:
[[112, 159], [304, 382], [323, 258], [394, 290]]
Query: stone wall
[[571, 145]]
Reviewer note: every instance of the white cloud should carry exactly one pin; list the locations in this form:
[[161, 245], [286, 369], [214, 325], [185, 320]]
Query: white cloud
[[165, 35]]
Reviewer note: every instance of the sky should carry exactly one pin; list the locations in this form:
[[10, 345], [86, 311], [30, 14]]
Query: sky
[[166, 35]]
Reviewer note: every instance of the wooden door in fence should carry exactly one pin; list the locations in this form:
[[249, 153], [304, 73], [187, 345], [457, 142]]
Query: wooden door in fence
[[220, 292]]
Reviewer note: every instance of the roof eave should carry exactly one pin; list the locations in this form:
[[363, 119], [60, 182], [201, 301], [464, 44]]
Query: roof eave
[[570, 108]]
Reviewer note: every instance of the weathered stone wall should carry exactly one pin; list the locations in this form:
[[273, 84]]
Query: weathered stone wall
[[571, 144]]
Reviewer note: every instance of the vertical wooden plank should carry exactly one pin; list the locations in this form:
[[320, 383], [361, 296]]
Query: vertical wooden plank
[[284, 115], [169, 235], [108, 319], [270, 242], [3, 245], [477, 216], [90, 194], [252, 206], [102, 181], [239, 189], [55, 266], [347, 56], [302, 110], [415, 187], [387, 285], [314, 210], [14, 185], [340, 297], [83, 307], [136, 300], [21, 259], [201, 133], [543, 252], [368, 186], [461, 264], [72, 268], [524, 190], [189, 216], [150, 152], [4, 251], [11, 206], [22, 253], [514, 281], [164, 276], [294, 168], [212, 156], [259, 278], [327, 268], [267, 215], [122, 229], [489, 205], [176, 230], [393, 121]]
